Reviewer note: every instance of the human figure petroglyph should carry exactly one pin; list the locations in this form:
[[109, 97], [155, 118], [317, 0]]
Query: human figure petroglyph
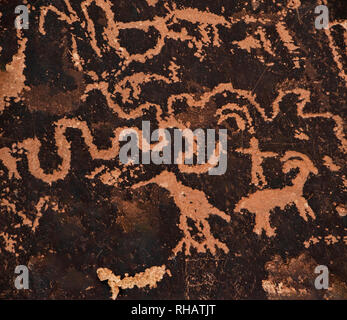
[[129, 86], [244, 121], [257, 158], [171, 121]]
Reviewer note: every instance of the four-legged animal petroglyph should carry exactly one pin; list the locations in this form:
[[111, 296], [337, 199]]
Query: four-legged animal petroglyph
[[262, 202]]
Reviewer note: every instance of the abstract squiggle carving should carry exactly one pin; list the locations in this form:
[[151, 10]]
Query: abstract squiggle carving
[[204, 19], [136, 113], [305, 97], [236, 111], [63, 146], [33, 146], [150, 277], [192, 203], [111, 31]]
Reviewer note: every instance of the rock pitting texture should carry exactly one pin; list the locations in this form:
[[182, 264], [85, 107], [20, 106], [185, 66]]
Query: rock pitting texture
[[76, 216]]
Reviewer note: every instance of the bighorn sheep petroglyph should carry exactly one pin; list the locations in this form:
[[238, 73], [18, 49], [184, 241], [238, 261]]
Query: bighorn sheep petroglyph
[[262, 202]]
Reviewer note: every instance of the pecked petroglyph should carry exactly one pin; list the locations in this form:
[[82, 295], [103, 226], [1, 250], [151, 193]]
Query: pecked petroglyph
[[111, 31], [263, 201], [257, 156], [337, 56], [193, 16], [193, 206], [9, 162], [327, 239], [32, 148], [240, 114], [12, 78], [131, 86], [150, 277], [10, 243], [330, 164]]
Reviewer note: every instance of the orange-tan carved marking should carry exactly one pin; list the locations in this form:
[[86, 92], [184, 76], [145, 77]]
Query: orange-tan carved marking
[[257, 157], [262, 202], [150, 277], [193, 205], [12, 79]]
